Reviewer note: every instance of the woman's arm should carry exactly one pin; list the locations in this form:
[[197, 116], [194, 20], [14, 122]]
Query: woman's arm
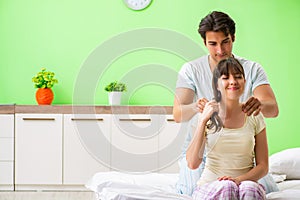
[[194, 153]]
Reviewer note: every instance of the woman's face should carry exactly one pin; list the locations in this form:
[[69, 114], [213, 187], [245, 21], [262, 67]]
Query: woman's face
[[231, 86]]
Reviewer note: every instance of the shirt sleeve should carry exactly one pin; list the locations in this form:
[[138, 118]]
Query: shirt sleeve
[[185, 77], [259, 123], [259, 76]]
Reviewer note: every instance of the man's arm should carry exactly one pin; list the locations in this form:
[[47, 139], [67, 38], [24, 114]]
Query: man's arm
[[266, 104], [184, 108]]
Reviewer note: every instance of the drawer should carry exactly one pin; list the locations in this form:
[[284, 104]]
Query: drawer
[[6, 173], [6, 125], [6, 149]]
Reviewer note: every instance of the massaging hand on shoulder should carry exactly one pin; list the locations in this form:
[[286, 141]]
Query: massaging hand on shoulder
[[252, 105]]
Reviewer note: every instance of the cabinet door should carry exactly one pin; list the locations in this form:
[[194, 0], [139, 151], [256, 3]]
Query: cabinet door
[[7, 125], [134, 143], [38, 149], [171, 138], [86, 147], [6, 151], [6, 175]]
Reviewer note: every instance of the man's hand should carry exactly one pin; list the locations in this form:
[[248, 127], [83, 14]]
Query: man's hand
[[201, 104], [253, 105]]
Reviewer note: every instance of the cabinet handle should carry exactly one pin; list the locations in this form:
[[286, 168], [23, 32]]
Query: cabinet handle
[[170, 120], [39, 119], [86, 119], [135, 120]]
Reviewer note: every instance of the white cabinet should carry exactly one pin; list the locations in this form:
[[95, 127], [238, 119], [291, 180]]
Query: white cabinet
[[86, 147], [63, 151], [134, 143], [6, 151], [171, 138], [38, 149]]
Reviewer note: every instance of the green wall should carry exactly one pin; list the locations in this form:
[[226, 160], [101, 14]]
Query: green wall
[[62, 36]]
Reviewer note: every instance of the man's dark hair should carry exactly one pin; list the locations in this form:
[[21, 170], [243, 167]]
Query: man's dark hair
[[217, 21]]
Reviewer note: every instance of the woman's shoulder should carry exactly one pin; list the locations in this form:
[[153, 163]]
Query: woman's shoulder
[[255, 118], [257, 122]]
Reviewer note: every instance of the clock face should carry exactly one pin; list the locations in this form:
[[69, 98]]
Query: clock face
[[137, 4]]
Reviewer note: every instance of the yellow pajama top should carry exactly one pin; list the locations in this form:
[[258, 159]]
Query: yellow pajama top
[[230, 152]]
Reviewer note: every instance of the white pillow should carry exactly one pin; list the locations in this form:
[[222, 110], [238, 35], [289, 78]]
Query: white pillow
[[286, 162]]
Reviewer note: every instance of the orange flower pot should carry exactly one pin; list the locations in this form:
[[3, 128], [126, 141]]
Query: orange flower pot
[[44, 96]]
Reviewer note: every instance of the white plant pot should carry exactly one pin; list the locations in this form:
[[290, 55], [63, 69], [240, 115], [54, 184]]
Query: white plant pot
[[114, 98]]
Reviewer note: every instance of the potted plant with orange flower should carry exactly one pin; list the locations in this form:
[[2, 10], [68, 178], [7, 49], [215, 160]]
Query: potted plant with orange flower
[[44, 81]]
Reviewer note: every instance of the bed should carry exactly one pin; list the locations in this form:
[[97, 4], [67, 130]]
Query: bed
[[284, 168]]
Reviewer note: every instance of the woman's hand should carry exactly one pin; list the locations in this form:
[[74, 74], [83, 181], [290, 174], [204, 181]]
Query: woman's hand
[[209, 108], [236, 180]]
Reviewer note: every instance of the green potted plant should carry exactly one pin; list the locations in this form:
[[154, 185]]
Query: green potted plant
[[44, 81], [115, 90]]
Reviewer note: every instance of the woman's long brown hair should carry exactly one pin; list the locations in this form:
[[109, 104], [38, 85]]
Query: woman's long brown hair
[[224, 67]]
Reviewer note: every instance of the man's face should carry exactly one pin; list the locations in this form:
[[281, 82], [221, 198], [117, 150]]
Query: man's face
[[218, 45]]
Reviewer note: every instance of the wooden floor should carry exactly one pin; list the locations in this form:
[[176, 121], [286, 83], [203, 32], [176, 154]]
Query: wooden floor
[[47, 195]]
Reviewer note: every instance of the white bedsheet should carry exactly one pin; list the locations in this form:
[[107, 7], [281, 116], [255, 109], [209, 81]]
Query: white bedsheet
[[153, 186], [123, 186], [161, 181], [288, 194], [137, 192], [289, 184], [289, 189]]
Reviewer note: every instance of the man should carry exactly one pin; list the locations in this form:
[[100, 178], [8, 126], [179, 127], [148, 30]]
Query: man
[[194, 88]]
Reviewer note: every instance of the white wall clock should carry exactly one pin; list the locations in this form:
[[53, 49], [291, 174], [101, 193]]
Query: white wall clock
[[137, 4]]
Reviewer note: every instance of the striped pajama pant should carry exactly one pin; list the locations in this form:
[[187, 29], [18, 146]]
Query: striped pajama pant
[[228, 190], [188, 179]]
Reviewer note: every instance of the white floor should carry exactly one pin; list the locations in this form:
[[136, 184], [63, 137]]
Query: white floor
[[47, 195]]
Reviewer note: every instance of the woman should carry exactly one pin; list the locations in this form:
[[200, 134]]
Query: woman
[[232, 144]]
